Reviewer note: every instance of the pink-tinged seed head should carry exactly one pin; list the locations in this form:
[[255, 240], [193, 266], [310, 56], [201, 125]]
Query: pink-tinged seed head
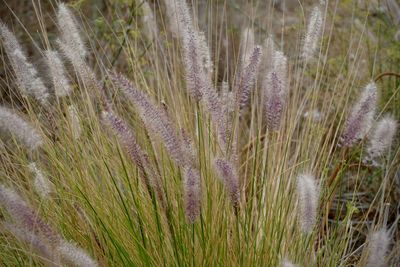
[[360, 119], [192, 188], [227, 173]]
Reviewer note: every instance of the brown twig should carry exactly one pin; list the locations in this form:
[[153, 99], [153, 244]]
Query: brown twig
[[377, 78]]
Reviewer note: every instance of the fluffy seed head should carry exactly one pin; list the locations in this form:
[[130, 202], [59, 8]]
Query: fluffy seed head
[[377, 248], [128, 141], [382, 137], [247, 46], [275, 91], [74, 255], [313, 34], [155, 119], [69, 31], [150, 28], [58, 77], [26, 75], [227, 173], [23, 215], [41, 183], [361, 117], [247, 77], [192, 188], [75, 122], [287, 263], [308, 194], [34, 241], [14, 125], [267, 58]]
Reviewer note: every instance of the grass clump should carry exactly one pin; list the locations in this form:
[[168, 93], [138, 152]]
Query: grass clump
[[174, 151]]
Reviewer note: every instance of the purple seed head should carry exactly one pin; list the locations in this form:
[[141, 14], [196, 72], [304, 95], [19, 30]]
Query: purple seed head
[[155, 119], [23, 215], [192, 188], [230, 179], [247, 77]]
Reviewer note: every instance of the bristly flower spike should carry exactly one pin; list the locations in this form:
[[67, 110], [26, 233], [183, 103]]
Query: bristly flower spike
[[42, 235], [41, 183], [27, 77], [308, 194], [74, 255], [154, 118], [192, 189], [275, 91], [14, 125], [25, 216], [58, 77], [361, 117], [150, 28], [227, 173], [69, 31], [381, 138], [247, 77], [247, 46], [313, 34], [287, 263], [75, 122], [377, 248], [128, 140]]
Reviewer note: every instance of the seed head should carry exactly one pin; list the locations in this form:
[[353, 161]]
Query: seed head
[[377, 248], [308, 194], [69, 31], [313, 34], [14, 125], [75, 122], [229, 177], [382, 137], [155, 119], [41, 183], [74, 255], [275, 91], [58, 76], [192, 188], [247, 77], [26, 75], [361, 117]]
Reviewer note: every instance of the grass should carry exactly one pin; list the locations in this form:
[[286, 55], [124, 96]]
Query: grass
[[100, 202]]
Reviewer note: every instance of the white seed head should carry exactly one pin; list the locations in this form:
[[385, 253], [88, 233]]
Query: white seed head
[[150, 28], [308, 194], [382, 137], [172, 15], [247, 44], [69, 31], [14, 125], [58, 76], [287, 263], [41, 183], [75, 255], [267, 60], [75, 122], [313, 34], [28, 81], [377, 248]]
